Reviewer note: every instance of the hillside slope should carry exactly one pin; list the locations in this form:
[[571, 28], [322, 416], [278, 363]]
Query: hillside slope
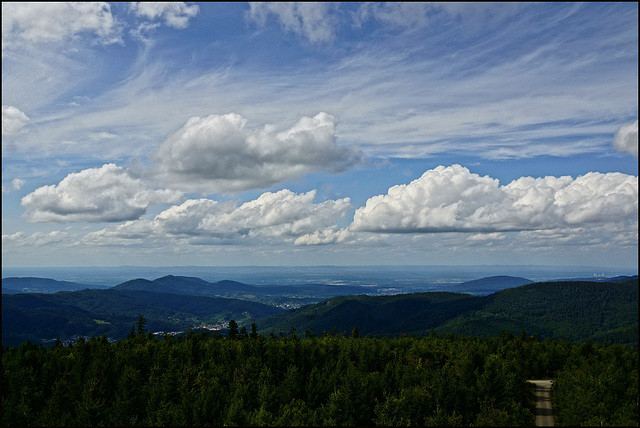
[[389, 315], [574, 311], [113, 312]]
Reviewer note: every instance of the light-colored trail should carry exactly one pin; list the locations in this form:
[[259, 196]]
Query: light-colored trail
[[544, 413]]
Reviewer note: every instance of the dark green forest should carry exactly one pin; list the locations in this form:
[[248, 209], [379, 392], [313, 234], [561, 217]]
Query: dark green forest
[[88, 313], [248, 378], [570, 310]]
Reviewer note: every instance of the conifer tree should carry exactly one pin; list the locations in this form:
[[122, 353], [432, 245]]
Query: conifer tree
[[140, 325], [232, 331]]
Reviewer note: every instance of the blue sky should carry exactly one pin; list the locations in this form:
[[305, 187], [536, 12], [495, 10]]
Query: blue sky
[[302, 134]]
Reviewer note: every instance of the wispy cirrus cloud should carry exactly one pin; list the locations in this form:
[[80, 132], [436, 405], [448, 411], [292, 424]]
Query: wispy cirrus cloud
[[312, 21], [404, 96], [414, 15]]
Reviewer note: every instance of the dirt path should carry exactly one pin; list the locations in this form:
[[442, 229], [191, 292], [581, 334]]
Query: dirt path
[[544, 414]]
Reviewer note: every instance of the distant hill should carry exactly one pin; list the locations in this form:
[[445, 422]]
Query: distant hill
[[113, 312], [574, 311], [283, 296], [490, 284], [15, 285], [193, 286], [276, 295], [141, 284]]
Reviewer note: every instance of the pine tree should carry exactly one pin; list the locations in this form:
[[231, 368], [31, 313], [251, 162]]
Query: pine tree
[[140, 325], [232, 331]]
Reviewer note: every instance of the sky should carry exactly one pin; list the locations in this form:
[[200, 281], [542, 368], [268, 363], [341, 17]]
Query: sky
[[213, 134]]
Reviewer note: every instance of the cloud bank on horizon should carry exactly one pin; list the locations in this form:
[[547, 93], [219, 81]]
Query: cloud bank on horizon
[[319, 133]]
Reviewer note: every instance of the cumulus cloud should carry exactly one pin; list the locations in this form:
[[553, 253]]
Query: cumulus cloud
[[174, 14], [13, 121], [309, 20], [16, 184], [452, 199], [24, 22], [102, 194], [283, 215], [626, 138], [219, 153]]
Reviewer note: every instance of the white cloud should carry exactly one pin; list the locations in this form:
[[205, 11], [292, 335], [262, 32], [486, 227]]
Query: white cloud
[[13, 121], [452, 199], [37, 239], [218, 153], [598, 198], [16, 184], [411, 15], [486, 237], [396, 14], [283, 215], [331, 235], [279, 214], [626, 138], [175, 14], [107, 193], [312, 21], [24, 22], [396, 97], [102, 136]]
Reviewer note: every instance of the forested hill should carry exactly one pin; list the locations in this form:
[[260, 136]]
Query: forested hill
[[199, 287], [573, 310], [41, 285], [113, 312], [252, 380], [378, 315], [569, 310]]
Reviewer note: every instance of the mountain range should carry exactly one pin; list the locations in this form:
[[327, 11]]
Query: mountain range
[[573, 310], [14, 285], [113, 312]]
